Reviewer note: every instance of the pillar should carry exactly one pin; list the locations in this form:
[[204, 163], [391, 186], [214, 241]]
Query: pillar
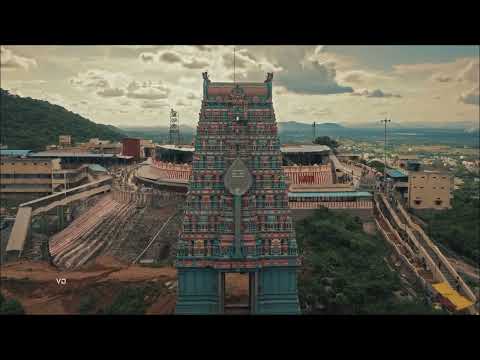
[[199, 291], [277, 291]]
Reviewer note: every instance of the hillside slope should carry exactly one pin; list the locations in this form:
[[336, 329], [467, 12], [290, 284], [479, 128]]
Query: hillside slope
[[28, 123]]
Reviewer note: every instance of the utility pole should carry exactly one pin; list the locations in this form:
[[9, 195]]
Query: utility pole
[[314, 131], [385, 121]]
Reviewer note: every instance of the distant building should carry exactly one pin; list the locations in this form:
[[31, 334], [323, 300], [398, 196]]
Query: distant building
[[407, 162], [38, 175], [65, 140], [147, 148], [14, 153], [131, 147], [398, 181], [430, 190]]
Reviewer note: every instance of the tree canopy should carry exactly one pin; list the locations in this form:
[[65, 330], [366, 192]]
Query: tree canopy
[[345, 271], [33, 124]]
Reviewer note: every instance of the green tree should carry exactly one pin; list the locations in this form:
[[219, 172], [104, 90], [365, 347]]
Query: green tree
[[11, 307], [326, 140]]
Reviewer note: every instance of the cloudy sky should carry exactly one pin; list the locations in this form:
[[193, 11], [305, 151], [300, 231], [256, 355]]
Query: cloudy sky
[[351, 85]]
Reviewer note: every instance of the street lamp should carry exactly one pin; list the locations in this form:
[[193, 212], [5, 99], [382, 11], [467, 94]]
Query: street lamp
[[385, 121]]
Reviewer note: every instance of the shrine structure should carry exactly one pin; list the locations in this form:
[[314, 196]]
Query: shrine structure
[[237, 217]]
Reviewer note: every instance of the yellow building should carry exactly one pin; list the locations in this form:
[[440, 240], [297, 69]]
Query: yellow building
[[65, 140], [429, 190], [23, 175]]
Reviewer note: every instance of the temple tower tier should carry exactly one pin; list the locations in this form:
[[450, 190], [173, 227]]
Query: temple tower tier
[[236, 216]]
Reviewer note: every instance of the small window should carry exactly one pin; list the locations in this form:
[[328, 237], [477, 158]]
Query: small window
[[418, 202], [438, 202], [34, 163], [45, 164]]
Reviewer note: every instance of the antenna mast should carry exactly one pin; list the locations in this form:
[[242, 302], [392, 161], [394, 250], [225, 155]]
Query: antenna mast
[[174, 137]]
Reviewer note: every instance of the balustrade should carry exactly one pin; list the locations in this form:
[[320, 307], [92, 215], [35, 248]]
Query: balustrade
[[228, 251]]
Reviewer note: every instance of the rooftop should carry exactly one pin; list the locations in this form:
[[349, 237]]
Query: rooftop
[[284, 149], [61, 154], [10, 152], [394, 173], [96, 167], [304, 148]]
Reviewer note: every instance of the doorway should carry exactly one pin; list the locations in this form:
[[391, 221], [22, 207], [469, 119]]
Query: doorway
[[237, 293]]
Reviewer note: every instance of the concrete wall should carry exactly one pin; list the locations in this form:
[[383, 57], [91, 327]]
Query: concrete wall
[[429, 190]]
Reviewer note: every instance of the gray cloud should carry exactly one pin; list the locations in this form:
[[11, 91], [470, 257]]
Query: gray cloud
[[203, 47], [9, 60], [191, 96], [147, 90], [470, 97], [471, 72], [111, 92], [170, 57], [147, 57], [442, 78], [377, 93], [153, 104], [243, 58], [196, 64], [354, 77], [318, 79], [182, 103]]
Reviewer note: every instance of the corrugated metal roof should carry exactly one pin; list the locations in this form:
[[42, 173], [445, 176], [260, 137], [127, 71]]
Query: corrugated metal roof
[[394, 173], [177, 147], [331, 194], [9, 152], [96, 167], [61, 154], [304, 148]]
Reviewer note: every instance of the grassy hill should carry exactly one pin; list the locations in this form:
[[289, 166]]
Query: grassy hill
[[345, 272], [28, 123]]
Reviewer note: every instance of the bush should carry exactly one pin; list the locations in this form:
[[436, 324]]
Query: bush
[[458, 228], [87, 304], [344, 268], [130, 301], [11, 307]]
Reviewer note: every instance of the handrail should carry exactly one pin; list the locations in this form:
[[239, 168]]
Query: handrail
[[154, 237], [466, 289]]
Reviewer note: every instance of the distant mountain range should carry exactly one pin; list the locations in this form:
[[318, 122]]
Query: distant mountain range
[[32, 124]]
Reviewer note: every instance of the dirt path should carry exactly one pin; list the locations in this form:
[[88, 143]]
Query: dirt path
[[35, 285]]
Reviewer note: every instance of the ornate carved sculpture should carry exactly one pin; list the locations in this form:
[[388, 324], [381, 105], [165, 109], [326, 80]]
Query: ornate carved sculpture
[[205, 76]]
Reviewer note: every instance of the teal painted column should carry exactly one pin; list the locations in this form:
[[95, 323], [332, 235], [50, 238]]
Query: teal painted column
[[237, 208], [277, 291], [197, 291]]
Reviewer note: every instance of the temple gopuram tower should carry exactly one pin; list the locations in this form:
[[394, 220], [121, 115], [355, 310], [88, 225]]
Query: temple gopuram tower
[[237, 217]]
